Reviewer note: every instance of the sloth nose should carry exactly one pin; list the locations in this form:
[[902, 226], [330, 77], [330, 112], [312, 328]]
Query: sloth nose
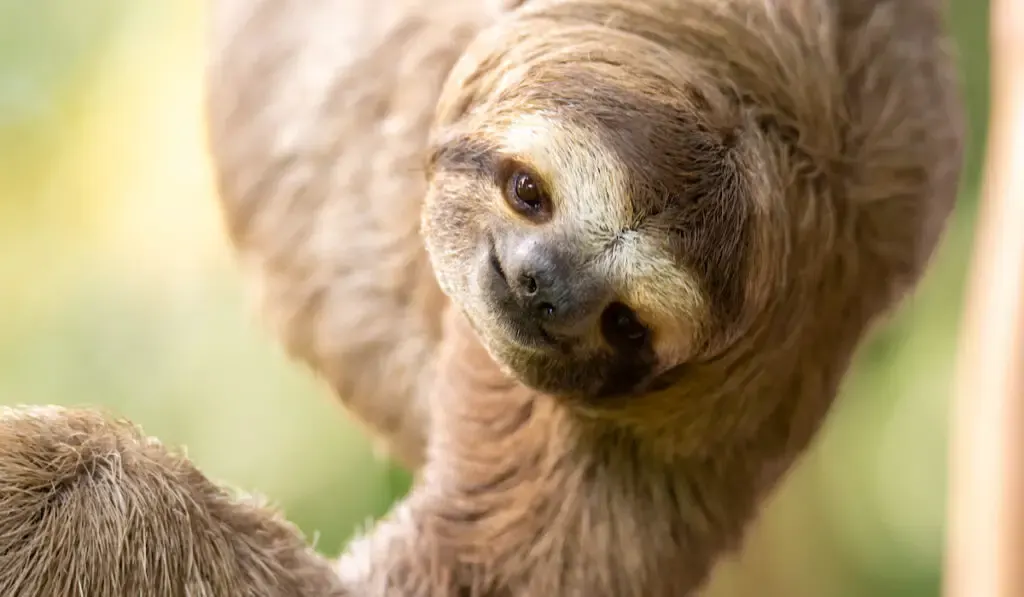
[[563, 301]]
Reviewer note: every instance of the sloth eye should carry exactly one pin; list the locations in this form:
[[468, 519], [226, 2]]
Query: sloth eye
[[526, 195], [622, 329]]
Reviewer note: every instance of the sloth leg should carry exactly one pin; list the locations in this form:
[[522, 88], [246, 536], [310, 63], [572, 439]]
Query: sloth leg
[[89, 506]]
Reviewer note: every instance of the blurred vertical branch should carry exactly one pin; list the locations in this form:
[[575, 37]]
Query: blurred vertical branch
[[986, 527]]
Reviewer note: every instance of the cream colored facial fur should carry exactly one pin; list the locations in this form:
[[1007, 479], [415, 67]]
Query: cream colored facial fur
[[653, 173], [594, 217]]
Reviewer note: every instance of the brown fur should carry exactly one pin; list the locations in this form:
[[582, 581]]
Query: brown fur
[[803, 154], [89, 507], [811, 153], [318, 127]]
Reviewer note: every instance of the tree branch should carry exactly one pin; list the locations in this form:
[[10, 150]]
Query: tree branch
[[986, 506]]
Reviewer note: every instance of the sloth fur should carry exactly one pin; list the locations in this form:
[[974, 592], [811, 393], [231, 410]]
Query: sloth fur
[[756, 181]]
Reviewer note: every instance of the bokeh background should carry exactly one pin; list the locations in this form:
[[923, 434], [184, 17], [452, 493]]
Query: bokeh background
[[117, 290]]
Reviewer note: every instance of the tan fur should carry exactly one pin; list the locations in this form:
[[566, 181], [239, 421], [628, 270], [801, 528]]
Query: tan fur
[[803, 155], [318, 123], [89, 507]]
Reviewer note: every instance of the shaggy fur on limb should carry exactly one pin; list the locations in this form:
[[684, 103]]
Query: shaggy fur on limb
[[89, 507]]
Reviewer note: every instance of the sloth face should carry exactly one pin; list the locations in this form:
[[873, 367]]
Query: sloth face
[[595, 252]]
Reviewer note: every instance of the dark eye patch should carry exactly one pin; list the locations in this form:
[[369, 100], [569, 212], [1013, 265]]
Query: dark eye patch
[[462, 152], [622, 329]]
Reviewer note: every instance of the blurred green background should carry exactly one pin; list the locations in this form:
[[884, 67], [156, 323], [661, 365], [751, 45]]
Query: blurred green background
[[116, 290]]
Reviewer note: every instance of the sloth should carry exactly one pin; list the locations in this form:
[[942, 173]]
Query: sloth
[[711, 184], [594, 269], [659, 230]]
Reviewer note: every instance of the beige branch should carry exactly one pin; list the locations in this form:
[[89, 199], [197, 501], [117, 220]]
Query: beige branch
[[985, 541]]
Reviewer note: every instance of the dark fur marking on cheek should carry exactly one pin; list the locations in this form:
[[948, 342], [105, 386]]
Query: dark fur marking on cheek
[[624, 372], [624, 378], [591, 376]]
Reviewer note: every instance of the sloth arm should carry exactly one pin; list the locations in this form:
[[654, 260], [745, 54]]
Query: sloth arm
[[90, 506], [318, 114]]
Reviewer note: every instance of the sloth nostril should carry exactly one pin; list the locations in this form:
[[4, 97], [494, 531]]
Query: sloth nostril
[[529, 284]]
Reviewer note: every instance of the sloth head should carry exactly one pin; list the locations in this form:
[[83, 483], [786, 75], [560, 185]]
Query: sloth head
[[595, 217]]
